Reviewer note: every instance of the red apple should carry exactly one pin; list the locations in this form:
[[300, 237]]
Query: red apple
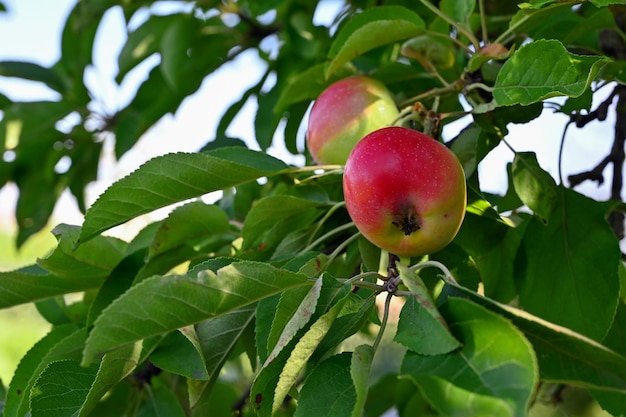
[[405, 191], [344, 113]]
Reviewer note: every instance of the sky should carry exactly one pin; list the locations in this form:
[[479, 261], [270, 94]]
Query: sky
[[31, 32]]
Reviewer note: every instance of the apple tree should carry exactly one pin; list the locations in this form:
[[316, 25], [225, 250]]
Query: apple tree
[[269, 300]]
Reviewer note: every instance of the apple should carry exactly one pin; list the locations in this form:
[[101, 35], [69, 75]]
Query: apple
[[405, 191], [344, 113]]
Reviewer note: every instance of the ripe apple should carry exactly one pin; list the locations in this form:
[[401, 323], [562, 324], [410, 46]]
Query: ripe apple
[[344, 113], [405, 191]]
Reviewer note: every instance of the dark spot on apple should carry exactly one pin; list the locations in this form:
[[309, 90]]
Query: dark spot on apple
[[407, 222]]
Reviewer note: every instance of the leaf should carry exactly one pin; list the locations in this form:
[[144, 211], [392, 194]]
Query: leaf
[[614, 403], [118, 281], [24, 376], [114, 367], [534, 186], [360, 367], [61, 389], [266, 120], [429, 52], [421, 327], [544, 69], [307, 85], [351, 320], [177, 301], [370, 29], [66, 348], [294, 310], [142, 42], [537, 4], [265, 212], [33, 72], [494, 373], [19, 288], [218, 336], [562, 354], [458, 10], [493, 246], [567, 266], [302, 352], [188, 224], [264, 384], [90, 263], [162, 402], [175, 45], [328, 391], [172, 178], [177, 354], [77, 41]]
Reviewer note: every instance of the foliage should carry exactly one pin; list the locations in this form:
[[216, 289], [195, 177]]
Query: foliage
[[263, 302]]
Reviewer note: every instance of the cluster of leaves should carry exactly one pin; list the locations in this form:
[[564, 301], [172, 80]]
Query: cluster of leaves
[[264, 301]]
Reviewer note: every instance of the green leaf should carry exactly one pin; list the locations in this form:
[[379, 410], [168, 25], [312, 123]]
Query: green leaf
[[114, 367], [61, 389], [162, 402], [77, 41], [90, 263], [67, 348], [370, 29], [614, 403], [177, 301], [18, 287], [265, 212], [266, 120], [302, 352], [493, 246], [33, 72], [188, 224], [351, 320], [568, 265], [429, 52], [544, 69], [458, 10], [172, 178], [537, 4], [494, 373], [294, 310], [360, 367], [118, 281], [534, 186], [177, 354], [217, 337], [307, 85], [24, 376], [421, 327], [563, 355], [142, 42], [328, 391], [174, 47]]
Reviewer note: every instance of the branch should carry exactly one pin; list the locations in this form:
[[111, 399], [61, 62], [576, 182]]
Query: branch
[[599, 113], [593, 175]]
